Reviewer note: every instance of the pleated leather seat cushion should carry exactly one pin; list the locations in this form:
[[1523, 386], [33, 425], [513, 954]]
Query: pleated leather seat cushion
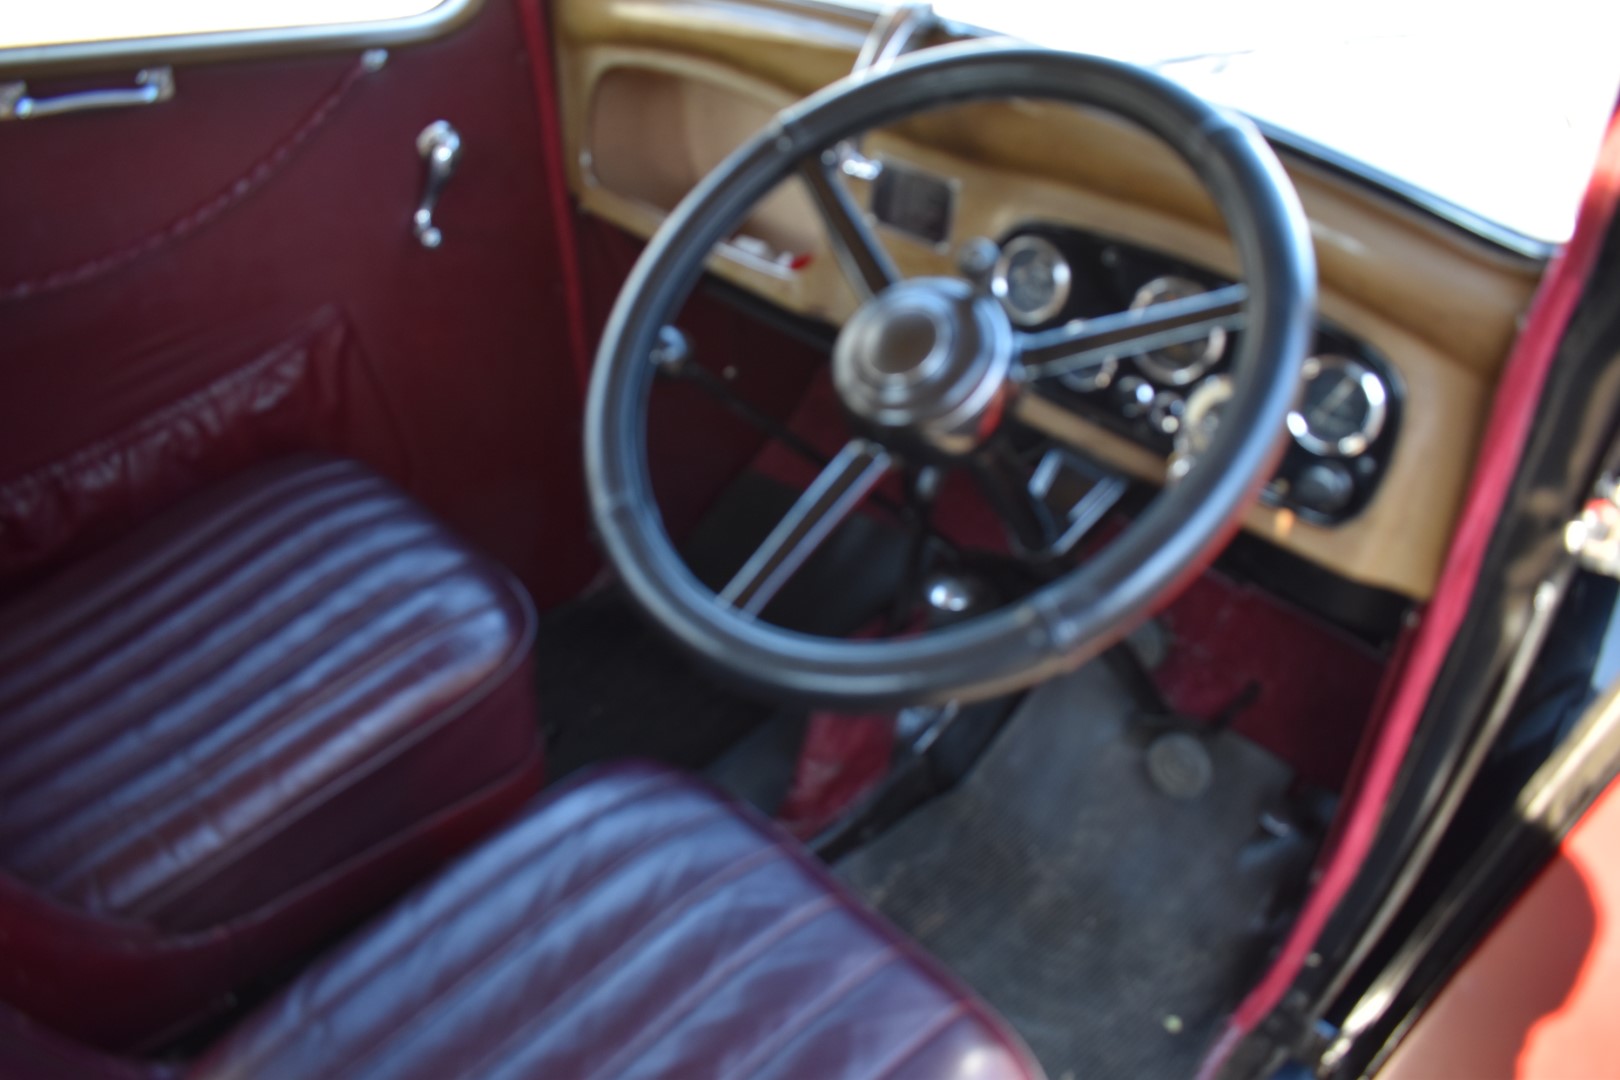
[[248, 700], [633, 924], [630, 924]]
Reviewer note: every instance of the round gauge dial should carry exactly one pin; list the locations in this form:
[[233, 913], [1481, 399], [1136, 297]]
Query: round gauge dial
[[1032, 280], [1177, 365], [1342, 409]]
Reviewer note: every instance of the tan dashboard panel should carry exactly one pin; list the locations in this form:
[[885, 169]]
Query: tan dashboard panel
[[797, 47], [656, 91], [652, 134]]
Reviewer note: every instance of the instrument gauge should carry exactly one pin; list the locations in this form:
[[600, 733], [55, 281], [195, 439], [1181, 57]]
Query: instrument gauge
[[1032, 280], [1342, 409], [1177, 365]]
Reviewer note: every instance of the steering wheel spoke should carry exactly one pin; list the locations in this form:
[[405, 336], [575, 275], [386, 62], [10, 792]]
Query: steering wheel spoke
[[1086, 343], [831, 497], [860, 253]]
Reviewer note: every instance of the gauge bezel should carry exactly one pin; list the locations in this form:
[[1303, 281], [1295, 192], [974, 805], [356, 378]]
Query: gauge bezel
[[1092, 378], [1373, 389], [1214, 344], [1062, 279]]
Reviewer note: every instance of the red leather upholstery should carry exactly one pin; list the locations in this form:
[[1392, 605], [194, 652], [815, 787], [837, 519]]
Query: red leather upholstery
[[633, 925], [30, 1052], [237, 731]]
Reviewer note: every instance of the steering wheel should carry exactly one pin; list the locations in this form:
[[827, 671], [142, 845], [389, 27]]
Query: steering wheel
[[928, 369]]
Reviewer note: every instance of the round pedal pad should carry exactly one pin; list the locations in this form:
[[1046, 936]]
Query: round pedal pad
[[1179, 765]]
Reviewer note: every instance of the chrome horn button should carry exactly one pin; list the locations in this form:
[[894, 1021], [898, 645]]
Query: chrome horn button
[[913, 341], [926, 365]]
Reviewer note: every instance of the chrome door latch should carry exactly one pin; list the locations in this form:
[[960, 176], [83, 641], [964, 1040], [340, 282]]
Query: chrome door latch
[[440, 146], [152, 85]]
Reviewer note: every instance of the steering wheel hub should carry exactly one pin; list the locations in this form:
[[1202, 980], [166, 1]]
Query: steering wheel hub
[[926, 366]]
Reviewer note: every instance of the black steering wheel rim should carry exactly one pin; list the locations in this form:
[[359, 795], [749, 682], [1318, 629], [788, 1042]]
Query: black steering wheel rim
[[1075, 617]]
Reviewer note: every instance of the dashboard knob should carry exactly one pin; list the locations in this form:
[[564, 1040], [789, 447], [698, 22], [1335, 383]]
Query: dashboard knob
[[1135, 396], [976, 260], [1325, 487], [1166, 412]]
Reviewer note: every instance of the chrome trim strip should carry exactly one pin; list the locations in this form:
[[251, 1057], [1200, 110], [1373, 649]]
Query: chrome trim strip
[[236, 44]]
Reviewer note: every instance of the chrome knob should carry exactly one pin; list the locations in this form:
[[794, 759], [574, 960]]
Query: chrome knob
[[976, 260], [1135, 395], [1166, 411]]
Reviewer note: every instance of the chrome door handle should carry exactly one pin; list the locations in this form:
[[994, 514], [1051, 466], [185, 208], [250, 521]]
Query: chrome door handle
[[152, 85], [440, 146]]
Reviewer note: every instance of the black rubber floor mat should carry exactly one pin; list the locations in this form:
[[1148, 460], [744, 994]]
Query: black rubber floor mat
[[759, 768], [610, 686], [1113, 926]]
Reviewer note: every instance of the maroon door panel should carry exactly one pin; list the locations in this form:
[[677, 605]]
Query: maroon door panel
[[152, 256], [695, 446]]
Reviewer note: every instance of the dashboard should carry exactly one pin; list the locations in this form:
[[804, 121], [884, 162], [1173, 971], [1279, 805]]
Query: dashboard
[[1342, 432], [1092, 216]]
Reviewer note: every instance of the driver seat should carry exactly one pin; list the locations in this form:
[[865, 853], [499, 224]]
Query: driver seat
[[633, 924]]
